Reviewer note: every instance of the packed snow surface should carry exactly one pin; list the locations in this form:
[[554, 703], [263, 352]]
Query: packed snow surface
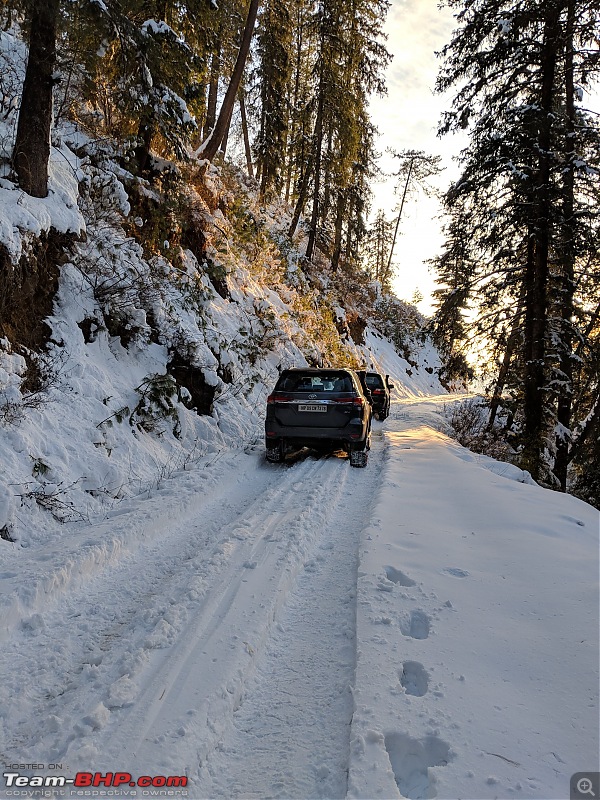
[[425, 627]]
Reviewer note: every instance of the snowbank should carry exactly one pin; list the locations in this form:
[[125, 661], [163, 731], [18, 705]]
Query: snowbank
[[477, 628]]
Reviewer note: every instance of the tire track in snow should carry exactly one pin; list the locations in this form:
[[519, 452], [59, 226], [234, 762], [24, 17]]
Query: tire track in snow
[[162, 642], [203, 673], [290, 736], [111, 620]]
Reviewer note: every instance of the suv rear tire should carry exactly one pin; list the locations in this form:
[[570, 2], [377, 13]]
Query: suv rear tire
[[358, 458], [275, 451]]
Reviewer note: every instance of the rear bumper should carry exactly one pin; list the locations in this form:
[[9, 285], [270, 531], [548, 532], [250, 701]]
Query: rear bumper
[[354, 431]]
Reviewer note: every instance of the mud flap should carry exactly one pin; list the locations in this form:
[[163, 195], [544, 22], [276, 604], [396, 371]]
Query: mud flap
[[358, 458]]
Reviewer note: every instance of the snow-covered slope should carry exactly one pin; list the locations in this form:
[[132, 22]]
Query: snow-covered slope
[[151, 363], [410, 380]]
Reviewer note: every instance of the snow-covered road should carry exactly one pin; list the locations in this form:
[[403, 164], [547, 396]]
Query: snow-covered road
[[424, 627], [145, 661], [291, 736]]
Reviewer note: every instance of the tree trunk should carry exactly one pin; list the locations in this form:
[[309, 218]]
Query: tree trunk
[[339, 226], [406, 185], [318, 143], [213, 91], [144, 138], [511, 346], [302, 195], [210, 147], [349, 229], [32, 146], [294, 115], [535, 418], [261, 162], [248, 151], [534, 350], [327, 161], [567, 277], [224, 141]]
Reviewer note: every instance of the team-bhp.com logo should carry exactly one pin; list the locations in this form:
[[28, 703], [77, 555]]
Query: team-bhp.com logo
[[90, 780]]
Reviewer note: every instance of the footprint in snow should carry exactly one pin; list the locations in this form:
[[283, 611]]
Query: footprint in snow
[[414, 678], [455, 572], [396, 576], [416, 625], [574, 520], [411, 759]]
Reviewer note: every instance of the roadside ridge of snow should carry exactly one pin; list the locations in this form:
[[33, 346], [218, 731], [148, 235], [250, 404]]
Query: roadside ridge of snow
[[31, 581], [477, 628]]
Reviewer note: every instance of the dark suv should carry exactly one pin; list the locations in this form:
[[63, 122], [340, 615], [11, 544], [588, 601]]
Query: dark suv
[[320, 408], [380, 393]]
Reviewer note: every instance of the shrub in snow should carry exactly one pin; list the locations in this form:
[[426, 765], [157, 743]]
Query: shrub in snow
[[468, 424], [157, 405]]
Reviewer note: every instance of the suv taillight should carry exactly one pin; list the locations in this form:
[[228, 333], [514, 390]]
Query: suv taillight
[[377, 391], [277, 397], [356, 401]]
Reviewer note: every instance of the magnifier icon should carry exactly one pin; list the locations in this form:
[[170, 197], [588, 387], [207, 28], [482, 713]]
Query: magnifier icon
[[584, 786]]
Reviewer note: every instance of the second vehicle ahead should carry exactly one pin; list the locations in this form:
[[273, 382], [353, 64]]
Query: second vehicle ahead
[[320, 408], [380, 393]]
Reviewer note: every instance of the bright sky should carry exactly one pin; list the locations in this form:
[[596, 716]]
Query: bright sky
[[407, 119]]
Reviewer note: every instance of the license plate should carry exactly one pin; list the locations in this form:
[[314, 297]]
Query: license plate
[[322, 409]]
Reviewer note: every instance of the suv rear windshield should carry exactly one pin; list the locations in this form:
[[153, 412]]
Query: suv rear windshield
[[311, 382], [374, 381]]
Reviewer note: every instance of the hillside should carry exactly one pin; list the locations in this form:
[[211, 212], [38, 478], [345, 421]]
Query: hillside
[[144, 322]]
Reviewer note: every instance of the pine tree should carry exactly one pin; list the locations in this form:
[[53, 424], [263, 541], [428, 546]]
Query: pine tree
[[524, 181], [142, 73], [350, 60], [415, 170], [378, 246], [274, 73]]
